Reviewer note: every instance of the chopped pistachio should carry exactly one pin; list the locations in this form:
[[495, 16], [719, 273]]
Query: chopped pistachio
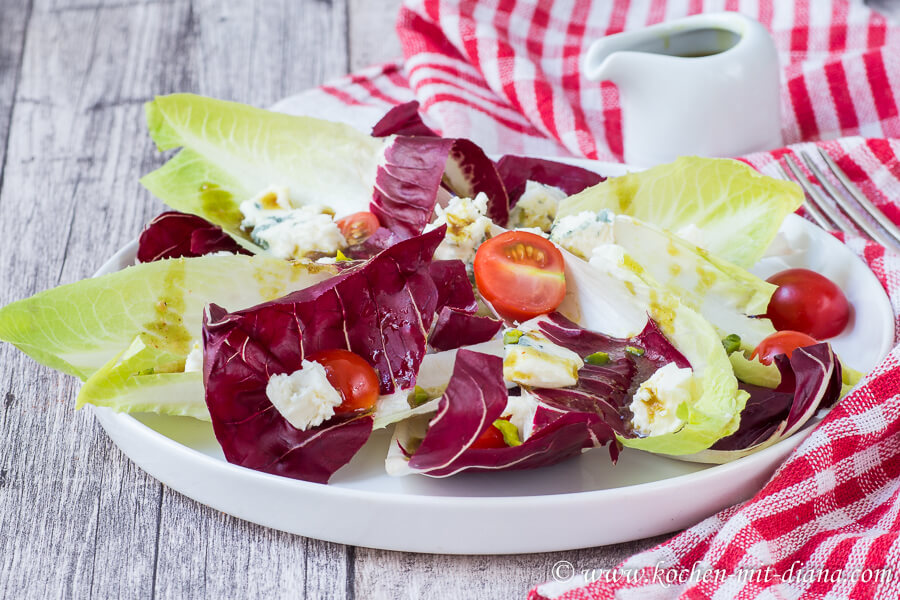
[[597, 358], [510, 432], [418, 397], [341, 257], [732, 343], [511, 336], [634, 350]]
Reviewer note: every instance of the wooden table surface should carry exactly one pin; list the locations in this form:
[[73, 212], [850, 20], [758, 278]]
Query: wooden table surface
[[77, 518]]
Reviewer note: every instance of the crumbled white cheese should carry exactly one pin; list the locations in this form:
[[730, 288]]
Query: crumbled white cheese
[[534, 230], [581, 233], [691, 233], [536, 207], [521, 410], [304, 398], [655, 404], [467, 227], [610, 259], [288, 232], [536, 361], [194, 360]]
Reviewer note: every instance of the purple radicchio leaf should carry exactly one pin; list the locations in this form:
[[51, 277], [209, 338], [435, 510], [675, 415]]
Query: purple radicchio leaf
[[407, 183], [175, 234], [607, 389], [810, 380], [455, 329], [468, 171], [403, 119], [475, 397], [454, 288], [380, 310], [516, 171]]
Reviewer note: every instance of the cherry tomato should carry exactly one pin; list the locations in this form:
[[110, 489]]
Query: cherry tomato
[[808, 302], [781, 342], [352, 376], [491, 438], [521, 274], [358, 227]]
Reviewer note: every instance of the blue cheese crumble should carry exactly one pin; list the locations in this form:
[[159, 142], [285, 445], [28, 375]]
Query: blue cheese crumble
[[305, 397], [536, 207], [656, 402], [467, 227], [533, 360], [581, 233], [288, 232]]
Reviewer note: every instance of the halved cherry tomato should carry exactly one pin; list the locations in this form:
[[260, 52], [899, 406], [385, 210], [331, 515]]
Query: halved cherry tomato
[[808, 302], [358, 227], [781, 342], [491, 438], [352, 376], [521, 274]]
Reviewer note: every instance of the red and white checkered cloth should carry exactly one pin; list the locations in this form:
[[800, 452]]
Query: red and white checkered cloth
[[505, 73]]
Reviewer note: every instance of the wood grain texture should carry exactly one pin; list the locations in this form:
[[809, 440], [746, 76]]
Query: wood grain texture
[[77, 518], [372, 38]]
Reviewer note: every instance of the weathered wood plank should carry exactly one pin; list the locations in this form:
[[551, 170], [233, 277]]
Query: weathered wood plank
[[14, 18], [77, 518], [372, 38], [379, 574]]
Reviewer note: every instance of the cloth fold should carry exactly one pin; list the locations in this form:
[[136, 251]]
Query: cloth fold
[[505, 73]]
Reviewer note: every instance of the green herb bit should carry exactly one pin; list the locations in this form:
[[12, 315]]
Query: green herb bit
[[634, 350], [419, 397], [510, 432], [511, 336], [597, 358], [732, 343], [150, 371], [341, 257]]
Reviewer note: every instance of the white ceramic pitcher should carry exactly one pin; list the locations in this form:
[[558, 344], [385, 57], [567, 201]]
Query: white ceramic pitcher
[[705, 85]]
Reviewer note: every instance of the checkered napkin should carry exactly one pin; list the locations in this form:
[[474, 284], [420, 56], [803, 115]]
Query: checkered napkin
[[505, 73]]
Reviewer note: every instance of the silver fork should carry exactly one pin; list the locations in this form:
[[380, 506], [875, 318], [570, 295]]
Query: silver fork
[[823, 199]]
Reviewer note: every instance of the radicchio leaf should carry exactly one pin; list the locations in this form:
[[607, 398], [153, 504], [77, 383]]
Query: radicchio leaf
[[407, 183], [380, 310], [468, 172], [516, 171], [810, 380], [403, 119], [175, 234], [454, 288], [474, 399], [456, 328]]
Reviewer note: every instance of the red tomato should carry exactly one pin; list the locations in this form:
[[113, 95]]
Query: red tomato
[[491, 438], [358, 227], [808, 302], [781, 342], [352, 376], [521, 274]]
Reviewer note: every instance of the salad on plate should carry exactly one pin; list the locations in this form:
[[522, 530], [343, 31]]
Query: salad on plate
[[313, 283]]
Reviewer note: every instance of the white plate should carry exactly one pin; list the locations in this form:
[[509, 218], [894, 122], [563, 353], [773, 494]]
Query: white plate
[[583, 502]]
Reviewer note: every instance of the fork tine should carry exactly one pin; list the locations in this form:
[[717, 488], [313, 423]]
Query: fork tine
[[857, 195], [814, 197], [855, 215], [810, 208]]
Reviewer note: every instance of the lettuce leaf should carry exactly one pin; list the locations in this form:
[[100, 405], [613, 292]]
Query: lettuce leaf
[[728, 296], [737, 210], [78, 328], [611, 299], [381, 310], [230, 152]]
